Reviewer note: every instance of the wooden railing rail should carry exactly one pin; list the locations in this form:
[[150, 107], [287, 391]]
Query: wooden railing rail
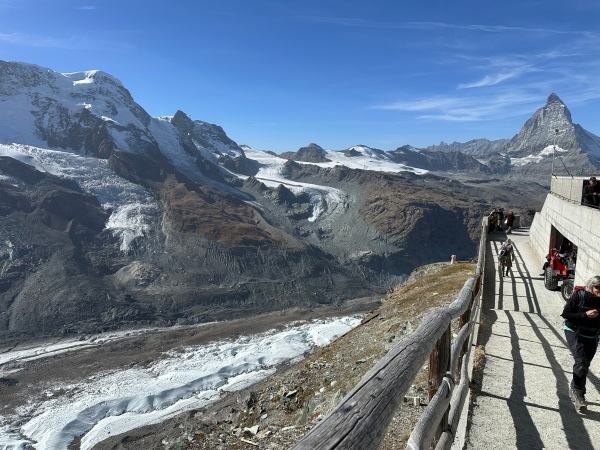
[[441, 418], [360, 420]]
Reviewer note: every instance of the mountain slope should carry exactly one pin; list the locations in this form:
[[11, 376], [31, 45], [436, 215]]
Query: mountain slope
[[143, 220]]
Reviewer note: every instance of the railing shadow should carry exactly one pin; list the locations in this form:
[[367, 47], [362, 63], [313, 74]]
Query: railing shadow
[[498, 299]]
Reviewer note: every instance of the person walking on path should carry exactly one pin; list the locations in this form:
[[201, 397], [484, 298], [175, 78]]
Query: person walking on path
[[506, 256], [510, 219], [582, 329], [492, 219]]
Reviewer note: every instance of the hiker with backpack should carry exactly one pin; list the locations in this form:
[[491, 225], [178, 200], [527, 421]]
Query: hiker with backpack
[[582, 330], [506, 256]]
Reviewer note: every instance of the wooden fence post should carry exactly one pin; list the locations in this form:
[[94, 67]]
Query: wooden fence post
[[439, 362]]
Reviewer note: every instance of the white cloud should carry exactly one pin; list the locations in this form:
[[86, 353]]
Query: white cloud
[[492, 80], [469, 108], [422, 105]]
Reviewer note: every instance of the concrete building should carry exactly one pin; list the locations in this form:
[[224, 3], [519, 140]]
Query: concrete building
[[563, 216]]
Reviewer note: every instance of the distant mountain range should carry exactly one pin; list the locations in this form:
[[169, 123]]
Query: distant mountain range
[[110, 217], [549, 134]]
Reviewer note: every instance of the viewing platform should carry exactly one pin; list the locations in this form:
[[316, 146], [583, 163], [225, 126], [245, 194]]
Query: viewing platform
[[523, 391], [502, 381]]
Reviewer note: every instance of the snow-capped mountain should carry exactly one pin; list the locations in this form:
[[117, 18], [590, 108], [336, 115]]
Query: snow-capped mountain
[[549, 134], [550, 125], [111, 217], [92, 113]]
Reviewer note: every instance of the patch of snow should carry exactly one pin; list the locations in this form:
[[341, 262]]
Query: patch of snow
[[115, 402], [534, 159], [368, 160], [324, 199], [109, 119], [134, 210]]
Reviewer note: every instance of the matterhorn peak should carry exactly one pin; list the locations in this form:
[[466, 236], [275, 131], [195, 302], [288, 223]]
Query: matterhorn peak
[[552, 130], [553, 98], [557, 109]]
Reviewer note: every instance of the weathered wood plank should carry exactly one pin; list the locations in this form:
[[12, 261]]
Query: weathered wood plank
[[426, 430], [430, 419], [439, 360]]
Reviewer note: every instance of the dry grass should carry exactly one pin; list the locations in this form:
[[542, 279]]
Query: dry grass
[[479, 358]]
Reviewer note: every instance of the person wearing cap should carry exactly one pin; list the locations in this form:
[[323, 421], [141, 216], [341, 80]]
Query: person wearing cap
[[591, 193]]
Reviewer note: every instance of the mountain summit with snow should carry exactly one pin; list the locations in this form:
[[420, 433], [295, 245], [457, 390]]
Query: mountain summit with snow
[[548, 135], [110, 217], [551, 131]]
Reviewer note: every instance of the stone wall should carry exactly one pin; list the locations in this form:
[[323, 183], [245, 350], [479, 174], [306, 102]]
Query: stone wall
[[579, 224]]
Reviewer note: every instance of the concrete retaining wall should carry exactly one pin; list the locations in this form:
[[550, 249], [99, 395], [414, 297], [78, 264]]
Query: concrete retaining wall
[[569, 187], [580, 224]]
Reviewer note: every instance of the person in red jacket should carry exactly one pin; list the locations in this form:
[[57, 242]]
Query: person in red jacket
[[510, 220], [582, 330]]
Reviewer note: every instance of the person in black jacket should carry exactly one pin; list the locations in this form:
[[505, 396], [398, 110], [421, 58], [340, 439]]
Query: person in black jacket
[[582, 329], [591, 192]]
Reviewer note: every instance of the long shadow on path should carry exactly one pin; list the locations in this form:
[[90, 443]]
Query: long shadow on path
[[512, 302]]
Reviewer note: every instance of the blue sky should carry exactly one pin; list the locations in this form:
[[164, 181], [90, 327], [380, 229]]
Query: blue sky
[[281, 74]]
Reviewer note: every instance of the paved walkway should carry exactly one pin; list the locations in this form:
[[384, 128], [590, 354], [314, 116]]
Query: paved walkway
[[524, 401]]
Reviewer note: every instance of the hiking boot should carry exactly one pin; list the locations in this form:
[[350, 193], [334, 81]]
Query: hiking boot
[[571, 394], [580, 403]]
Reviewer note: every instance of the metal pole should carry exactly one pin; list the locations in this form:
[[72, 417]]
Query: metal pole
[[554, 150]]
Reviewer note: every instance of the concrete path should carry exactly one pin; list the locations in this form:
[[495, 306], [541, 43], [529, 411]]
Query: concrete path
[[524, 401]]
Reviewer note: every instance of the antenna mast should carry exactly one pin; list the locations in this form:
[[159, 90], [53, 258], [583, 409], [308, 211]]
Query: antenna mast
[[554, 151]]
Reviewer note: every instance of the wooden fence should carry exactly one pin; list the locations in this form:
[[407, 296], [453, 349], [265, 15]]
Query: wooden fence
[[361, 419]]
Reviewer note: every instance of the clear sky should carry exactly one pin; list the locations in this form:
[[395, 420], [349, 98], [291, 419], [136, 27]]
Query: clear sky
[[281, 74]]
